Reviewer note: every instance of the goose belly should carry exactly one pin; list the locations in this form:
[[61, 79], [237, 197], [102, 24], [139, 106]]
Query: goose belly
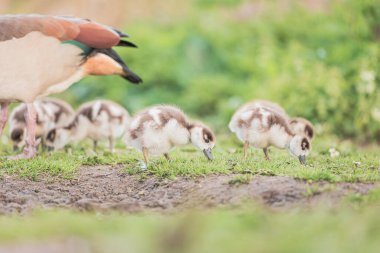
[[117, 128], [99, 131], [259, 139], [30, 65], [157, 141]]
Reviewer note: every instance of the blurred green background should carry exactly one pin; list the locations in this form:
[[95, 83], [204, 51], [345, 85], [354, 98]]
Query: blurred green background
[[318, 59]]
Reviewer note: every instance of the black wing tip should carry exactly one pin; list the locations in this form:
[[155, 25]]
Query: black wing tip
[[121, 34], [130, 76], [124, 43], [133, 79]]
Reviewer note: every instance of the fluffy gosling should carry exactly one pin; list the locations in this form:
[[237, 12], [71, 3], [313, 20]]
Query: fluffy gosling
[[297, 125], [51, 113], [158, 129], [97, 120], [262, 126]]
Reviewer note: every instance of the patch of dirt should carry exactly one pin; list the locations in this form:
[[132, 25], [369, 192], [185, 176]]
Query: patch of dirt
[[103, 188], [72, 245]]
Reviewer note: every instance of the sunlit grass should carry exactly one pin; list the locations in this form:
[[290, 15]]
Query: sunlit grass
[[352, 165], [58, 164]]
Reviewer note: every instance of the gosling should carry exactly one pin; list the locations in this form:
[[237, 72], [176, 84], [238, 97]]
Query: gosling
[[262, 126], [158, 129], [51, 113], [97, 120], [297, 125]]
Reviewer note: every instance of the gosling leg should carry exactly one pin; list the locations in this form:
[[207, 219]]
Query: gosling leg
[[266, 153], [95, 145], [167, 156], [111, 142], [245, 148], [145, 153], [3, 116]]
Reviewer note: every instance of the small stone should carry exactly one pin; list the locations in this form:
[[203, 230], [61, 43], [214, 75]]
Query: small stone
[[334, 153], [232, 150]]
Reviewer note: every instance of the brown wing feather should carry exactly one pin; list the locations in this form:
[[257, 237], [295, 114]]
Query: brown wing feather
[[63, 28], [96, 36], [17, 26]]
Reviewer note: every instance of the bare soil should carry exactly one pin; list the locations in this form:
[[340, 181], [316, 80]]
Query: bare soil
[[104, 188], [65, 245]]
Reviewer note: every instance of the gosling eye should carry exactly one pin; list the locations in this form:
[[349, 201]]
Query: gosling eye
[[207, 140]]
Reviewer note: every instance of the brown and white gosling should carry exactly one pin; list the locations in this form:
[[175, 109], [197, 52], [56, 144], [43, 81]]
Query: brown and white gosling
[[158, 129], [297, 125], [302, 126], [97, 120], [51, 113], [262, 126]]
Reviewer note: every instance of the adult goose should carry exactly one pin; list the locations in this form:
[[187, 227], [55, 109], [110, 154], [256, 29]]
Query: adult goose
[[42, 55]]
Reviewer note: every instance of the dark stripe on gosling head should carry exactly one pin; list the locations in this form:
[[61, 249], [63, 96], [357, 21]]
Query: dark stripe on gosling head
[[51, 135], [309, 131], [208, 136], [17, 134], [305, 145]]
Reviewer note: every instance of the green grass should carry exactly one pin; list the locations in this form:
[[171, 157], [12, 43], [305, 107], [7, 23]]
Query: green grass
[[228, 159], [350, 227], [354, 164], [58, 164], [354, 227]]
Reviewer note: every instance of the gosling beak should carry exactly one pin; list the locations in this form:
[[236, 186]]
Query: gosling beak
[[15, 148], [50, 149], [208, 154], [302, 159]]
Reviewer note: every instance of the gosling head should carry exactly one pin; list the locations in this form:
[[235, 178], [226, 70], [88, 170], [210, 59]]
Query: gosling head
[[300, 147], [57, 138], [203, 138]]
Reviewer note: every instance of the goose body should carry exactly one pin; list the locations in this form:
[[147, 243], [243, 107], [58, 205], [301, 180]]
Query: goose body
[[42, 55], [262, 126], [51, 113], [97, 120], [158, 129], [35, 74]]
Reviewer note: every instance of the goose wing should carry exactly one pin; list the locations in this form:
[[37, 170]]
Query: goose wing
[[64, 28]]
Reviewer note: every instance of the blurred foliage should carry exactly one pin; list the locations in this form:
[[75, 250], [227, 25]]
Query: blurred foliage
[[351, 228], [322, 65]]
